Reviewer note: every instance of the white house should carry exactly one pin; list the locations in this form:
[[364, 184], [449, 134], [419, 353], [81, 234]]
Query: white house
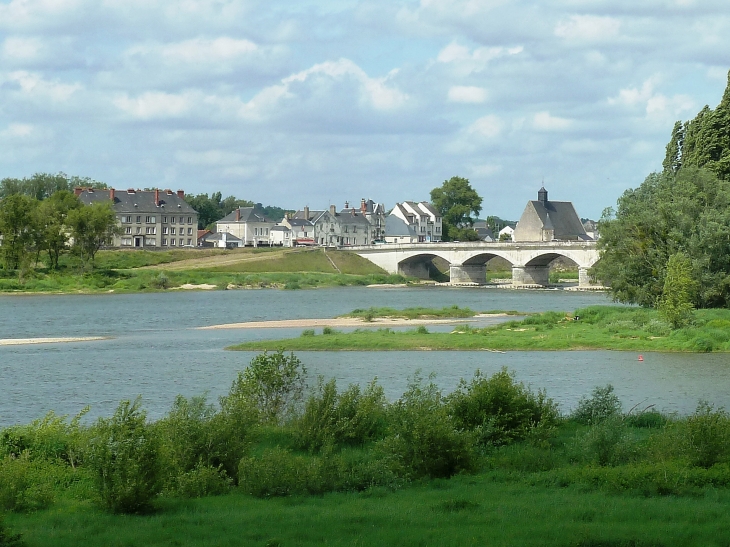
[[249, 224], [397, 231], [422, 217], [507, 230]]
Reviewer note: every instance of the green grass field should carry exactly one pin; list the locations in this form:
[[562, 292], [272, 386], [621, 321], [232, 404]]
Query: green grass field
[[599, 327], [466, 510]]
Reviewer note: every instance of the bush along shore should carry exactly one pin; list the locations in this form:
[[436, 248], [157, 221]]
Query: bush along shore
[[275, 463], [595, 327]]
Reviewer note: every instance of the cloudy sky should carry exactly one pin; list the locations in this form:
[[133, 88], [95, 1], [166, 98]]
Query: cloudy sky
[[316, 102]]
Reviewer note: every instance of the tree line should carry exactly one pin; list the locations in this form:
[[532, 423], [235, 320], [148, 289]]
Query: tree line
[[667, 243]]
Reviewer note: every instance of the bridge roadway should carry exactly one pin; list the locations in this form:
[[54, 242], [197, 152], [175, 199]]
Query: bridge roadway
[[468, 261]]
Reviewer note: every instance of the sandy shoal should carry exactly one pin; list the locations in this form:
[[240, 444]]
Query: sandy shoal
[[345, 322], [23, 341]]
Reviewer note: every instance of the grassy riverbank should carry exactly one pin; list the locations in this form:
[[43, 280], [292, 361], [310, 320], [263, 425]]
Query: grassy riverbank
[[143, 271], [492, 463], [596, 327]]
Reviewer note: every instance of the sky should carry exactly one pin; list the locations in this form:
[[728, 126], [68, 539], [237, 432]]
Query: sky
[[295, 103]]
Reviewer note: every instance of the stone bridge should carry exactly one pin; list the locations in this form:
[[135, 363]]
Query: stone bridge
[[468, 261]]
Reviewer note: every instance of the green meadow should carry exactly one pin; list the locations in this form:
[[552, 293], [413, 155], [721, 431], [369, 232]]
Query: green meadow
[[595, 327]]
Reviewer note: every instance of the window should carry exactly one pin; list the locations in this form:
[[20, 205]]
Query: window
[[164, 230], [190, 241], [151, 230], [150, 220], [164, 219], [126, 219], [164, 242], [190, 220], [182, 220], [172, 230], [172, 241], [128, 230], [151, 242], [139, 230], [354, 229], [190, 231], [267, 231], [255, 231], [139, 219], [127, 241], [181, 243], [345, 229]]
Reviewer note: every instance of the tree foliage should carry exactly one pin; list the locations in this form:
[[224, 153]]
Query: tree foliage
[[458, 204], [16, 227], [687, 212], [675, 304], [43, 185], [703, 142], [92, 227]]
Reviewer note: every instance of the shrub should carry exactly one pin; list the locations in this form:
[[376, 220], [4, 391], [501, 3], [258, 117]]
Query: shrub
[[123, 453], [308, 332], [202, 480], [601, 405], [9, 539], [272, 386], [328, 330], [500, 410], [606, 443], [160, 282], [25, 485], [421, 329], [350, 418], [648, 419], [423, 436], [708, 435]]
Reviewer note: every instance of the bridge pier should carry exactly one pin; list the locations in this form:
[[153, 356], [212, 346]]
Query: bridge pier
[[460, 274], [414, 269], [583, 279], [530, 275]]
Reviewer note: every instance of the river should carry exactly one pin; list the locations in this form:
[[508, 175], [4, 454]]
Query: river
[[156, 351]]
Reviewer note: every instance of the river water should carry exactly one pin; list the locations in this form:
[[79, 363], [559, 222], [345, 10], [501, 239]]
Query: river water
[[155, 350]]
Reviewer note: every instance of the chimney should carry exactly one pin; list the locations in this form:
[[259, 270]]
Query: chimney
[[306, 212], [111, 194], [78, 190], [181, 194], [157, 197], [130, 190], [238, 214], [333, 210], [168, 192], [542, 196], [347, 205], [363, 206]]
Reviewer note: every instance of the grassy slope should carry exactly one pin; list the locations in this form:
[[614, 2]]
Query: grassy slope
[[466, 510], [600, 327], [135, 271]]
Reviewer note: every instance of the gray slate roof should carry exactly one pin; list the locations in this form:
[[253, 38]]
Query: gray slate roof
[[217, 236], [141, 201], [248, 214], [561, 217], [396, 227]]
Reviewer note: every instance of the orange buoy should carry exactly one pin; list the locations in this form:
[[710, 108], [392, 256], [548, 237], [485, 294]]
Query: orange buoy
[[641, 357]]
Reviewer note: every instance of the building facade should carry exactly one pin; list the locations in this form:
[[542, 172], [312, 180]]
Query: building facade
[[148, 218], [544, 220], [249, 224]]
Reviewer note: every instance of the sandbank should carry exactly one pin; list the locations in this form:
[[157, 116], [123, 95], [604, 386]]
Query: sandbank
[[347, 322], [24, 341]]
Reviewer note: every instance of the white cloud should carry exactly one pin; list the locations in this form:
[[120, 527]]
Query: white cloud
[[197, 50], [467, 94], [33, 85], [19, 48], [543, 121], [466, 61], [588, 28], [17, 130], [155, 105], [373, 91], [488, 127], [656, 105]]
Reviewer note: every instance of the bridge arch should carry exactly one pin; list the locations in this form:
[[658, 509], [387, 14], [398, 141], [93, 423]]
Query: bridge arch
[[420, 264]]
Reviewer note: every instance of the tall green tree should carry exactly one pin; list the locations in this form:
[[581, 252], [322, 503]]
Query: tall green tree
[[704, 141], [43, 185], [458, 203], [687, 212], [51, 224], [92, 227], [675, 304], [16, 227]]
